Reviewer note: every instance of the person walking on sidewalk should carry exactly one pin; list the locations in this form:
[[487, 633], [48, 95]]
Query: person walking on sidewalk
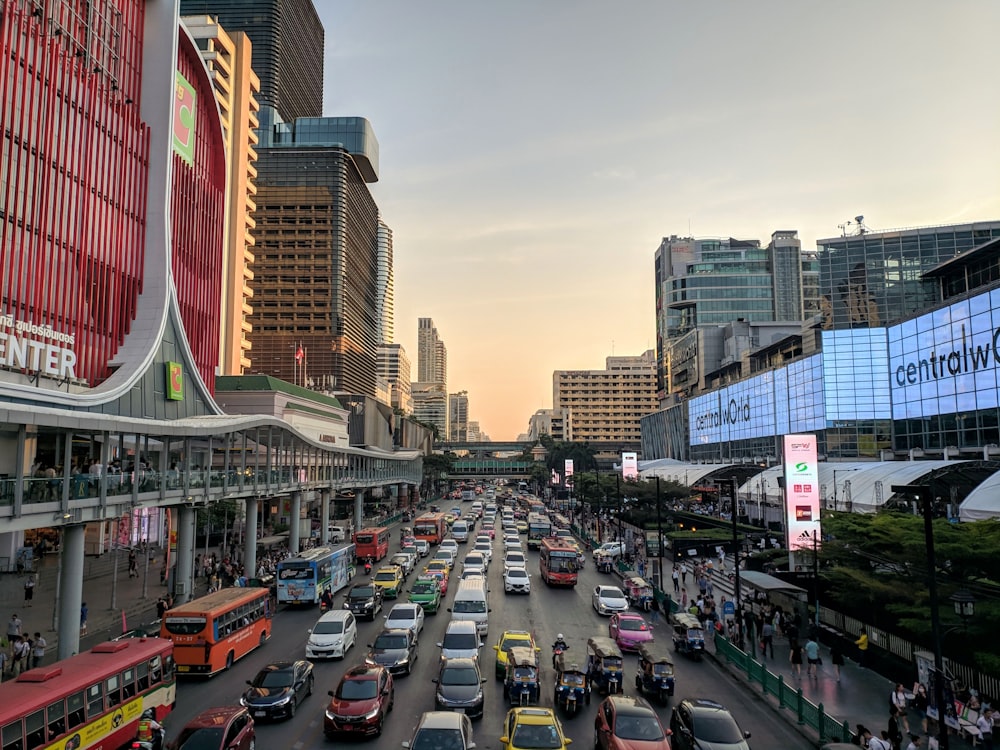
[[862, 644], [985, 726], [837, 659], [29, 590], [892, 730], [767, 639], [13, 627], [812, 654], [38, 651], [83, 618], [133, 564], [795, 657], [898, 699]]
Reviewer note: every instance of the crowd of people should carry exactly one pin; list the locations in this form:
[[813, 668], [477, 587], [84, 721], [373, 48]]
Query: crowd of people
[[20, 649]]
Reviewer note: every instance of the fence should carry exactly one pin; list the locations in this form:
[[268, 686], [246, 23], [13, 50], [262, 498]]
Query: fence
[[807, 713]]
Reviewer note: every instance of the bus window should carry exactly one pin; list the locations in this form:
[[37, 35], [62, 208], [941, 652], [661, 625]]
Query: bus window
[[95, 701], [13, 737], [128, 684], [56, 715], [154, 670], [34, 730], [74, 705], [114, 691], [142, 676], [184, 625]]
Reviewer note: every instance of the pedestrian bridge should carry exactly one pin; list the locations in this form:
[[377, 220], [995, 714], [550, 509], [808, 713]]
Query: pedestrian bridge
[[487, 468]]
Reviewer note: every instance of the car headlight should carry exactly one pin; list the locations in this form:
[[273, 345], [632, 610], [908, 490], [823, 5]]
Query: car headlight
[[372, 714], [243, 701], [403, 660], [283, 701], [330, 715], [370, 661]]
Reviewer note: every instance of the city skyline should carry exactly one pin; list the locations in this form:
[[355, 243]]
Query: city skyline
[[530, 173]]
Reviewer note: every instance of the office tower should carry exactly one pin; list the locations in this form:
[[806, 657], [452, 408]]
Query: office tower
[[430, 406], [475, 434], [786, 277], [432, 355], [287, 38], [236, 86], [458, 416], [551, 422], [385, 289], [394, 366]]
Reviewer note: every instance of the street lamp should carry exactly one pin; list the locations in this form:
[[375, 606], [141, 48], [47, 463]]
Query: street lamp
[[965, 604]]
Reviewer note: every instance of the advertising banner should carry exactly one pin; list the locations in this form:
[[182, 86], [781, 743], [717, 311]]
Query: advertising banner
[[568, 471], [630, 466], [801, 491]]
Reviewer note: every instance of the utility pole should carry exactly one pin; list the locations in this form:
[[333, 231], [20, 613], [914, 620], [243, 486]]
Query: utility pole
[[659, 537], [736, 559]]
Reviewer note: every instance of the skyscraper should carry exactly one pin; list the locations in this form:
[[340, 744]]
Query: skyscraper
[[287, 38], [385, 288], [394, 367], [432, 355], [458, 416]]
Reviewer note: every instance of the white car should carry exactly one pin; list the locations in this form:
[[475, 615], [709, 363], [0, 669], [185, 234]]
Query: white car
[[514, 559], [516, 580], [447, 555], [474, 559], [609, 599], [511, 542], [406, 617], [485, 549], [449, 543], [611, 549], [473, 570], [423, 547], [404, 561], [332, 635]]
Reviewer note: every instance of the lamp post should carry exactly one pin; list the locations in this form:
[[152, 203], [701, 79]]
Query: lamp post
[[621, 537], [659, 537], [736, 556]]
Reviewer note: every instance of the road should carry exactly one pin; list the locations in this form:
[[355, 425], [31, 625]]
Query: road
[[545, 612]]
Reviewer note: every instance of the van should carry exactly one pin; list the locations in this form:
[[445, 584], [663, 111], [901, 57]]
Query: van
[[460, 531], [460, 640], [470, 604], [337, 534]]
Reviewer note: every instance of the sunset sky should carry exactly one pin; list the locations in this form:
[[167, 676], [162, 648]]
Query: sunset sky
[[533, 154]]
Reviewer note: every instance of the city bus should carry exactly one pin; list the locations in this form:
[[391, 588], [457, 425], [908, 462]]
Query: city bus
[[212, 632], [559, 521], [303, 579], [431, 527], [371, 542], [538, 528], [93, 699], [557, 561]]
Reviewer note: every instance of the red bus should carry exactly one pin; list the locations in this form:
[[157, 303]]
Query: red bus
[[372, 542], [557, 561], [212, 632], [431, 527], [93, 699]]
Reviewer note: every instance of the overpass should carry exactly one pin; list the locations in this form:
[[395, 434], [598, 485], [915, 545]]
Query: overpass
[[478, 447], [488, 468]]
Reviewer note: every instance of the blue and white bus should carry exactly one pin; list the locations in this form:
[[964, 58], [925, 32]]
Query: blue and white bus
[[303, 579]]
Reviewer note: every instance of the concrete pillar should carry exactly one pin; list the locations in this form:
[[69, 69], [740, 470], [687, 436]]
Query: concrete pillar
[[71, 593], [359, 509], [293, 528], [183, 580], [403, 493], [393, 498], [250, 539], [324, 515]]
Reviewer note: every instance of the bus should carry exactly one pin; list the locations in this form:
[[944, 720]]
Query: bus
[[559, 521], [93, 699], [212, 632], [371, 542], [303, 579], [431, 527], [538, 528], [557, 561]]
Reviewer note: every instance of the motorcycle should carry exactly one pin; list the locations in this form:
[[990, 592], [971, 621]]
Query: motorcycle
[[157, 737], [368, 567], [557, 651]]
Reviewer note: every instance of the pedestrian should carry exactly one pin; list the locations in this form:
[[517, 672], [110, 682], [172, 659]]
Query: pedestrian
[[38, 651], [985, 726], [654, 611], [19, 657], [675, 575], [914, 742], [29, 590], [898, 699], [795, 657], [892, 731], [4, 663], [133, 564], [13, 627], [862, 644], [767, 639], [920, 703], [837, 659], [812, 655], [684, 599], [161, 608], [83, 618]]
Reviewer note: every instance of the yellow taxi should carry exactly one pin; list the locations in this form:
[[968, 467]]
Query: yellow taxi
[[522, 527], [510, 639], [530, 727], [390, 580]]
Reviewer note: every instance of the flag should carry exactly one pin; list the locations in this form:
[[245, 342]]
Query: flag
[[300, 354], [124, 625]]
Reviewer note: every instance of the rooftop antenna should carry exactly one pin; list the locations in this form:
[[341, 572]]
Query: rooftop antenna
[[859, 222]]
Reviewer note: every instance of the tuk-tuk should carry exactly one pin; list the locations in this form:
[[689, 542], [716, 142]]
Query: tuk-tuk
[[604, 664], [638, 592], [689, 635], [655, 675], [572, 686], [604, 563], [521, 684]]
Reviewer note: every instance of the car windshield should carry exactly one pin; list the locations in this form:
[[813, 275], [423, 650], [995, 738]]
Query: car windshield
[[517, 573], [273, 679], [357, 690], [612, 593], [532, 737], [638, 728], [403, 613], [390, 641], [630, 624], [460, 641], [361, 592], [510, 641], [387, 575], [469, 607], [459, 676], [424, 587], [203, 738], [335, 627], [572, 678], [438, 739], [511, 559], [717, 727]]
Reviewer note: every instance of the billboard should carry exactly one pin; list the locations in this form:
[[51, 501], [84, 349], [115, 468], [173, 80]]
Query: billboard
[[568, 471], [801, 491], [630, 466]]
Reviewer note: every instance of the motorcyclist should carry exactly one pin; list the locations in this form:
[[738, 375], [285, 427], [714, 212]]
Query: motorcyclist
[[326, 600], [150, 732], [558, 647], [368, 565]]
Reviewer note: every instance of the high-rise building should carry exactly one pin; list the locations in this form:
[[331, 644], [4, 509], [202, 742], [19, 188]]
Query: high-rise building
[[475, 433], [287, 38], [236, 86], [432, 355], [430, 406], [385, 287], [551, 422], [394, 366], [316, 309], [458, 416], [606, 405]]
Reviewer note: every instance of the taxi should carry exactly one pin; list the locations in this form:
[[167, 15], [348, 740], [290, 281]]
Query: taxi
[[440, 575], [390, 580], [532, 727], [510, 639], [522, 527]]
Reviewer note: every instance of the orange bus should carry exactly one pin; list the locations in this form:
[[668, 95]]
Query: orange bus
[[93, 699], [557, 561], [371, 542], [212, 632], [431, 527]]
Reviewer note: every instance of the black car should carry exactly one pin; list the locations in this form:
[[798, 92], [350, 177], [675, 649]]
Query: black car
[[701, 724], [460, 687], [278, 689], [365, 600], [394, 649]]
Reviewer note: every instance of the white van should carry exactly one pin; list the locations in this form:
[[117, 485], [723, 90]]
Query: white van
[[470, 604], [460, 531]]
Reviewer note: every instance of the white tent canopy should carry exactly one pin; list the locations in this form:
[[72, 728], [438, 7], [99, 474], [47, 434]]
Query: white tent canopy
[[983, 502]]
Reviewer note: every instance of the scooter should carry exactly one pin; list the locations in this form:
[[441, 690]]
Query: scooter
[[157, 741], [557, 651]]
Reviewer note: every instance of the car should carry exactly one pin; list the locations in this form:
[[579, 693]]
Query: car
[[461, 638], [423, 547], [510, 639], [446, 555], [484, 548], [437, 564], [449, 544], [396, 650], [223, 728], [514, 559], [522, 527], [332, 635], [629, 630], [516, 580], [441, 576], [365, 600], [474, 559], [337, 534], [442, 729], [699, 722], [360, 702], [390, 580], [426, 591], [404, 561], [278, 689], [609, 599], [533, 728], [611, 549], [627, 723], [460, 687], [473, 570], [409, 616], [489, 529], [511, 542]]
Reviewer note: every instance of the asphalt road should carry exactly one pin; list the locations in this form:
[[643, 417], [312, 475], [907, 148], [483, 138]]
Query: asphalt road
[[545, 612]]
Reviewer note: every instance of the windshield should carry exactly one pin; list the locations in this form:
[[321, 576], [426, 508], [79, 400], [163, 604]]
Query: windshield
[[424, 587], [611, 593], [334, 627], [469, 607], [532, 737], [459, 676], [663, 670], [517, 573], [460, 641], [362, 592], [203, 738], [185, 625], [438, 739], [387, 575], [572, 678], [630, 624], [275, 679], [638, 728], [403, 613], [357, 690], [508, 643], [717, 727], [390, 642]]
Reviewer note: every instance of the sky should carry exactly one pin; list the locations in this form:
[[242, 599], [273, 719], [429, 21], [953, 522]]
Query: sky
[[534, 154]]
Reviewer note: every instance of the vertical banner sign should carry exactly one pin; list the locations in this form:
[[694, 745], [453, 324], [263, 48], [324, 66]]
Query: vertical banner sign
[[630, 465], [185, 99], [175, 381], [568, 471], [801, 491], [555, 478]]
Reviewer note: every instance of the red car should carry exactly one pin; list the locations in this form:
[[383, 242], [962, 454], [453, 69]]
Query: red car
[[229, 727], [359, 704], [629, 630], [627, 723], [442, 579]]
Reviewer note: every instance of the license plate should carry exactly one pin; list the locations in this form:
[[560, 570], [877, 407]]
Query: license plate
[[459, 710], [260, 713], [183, 668]]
